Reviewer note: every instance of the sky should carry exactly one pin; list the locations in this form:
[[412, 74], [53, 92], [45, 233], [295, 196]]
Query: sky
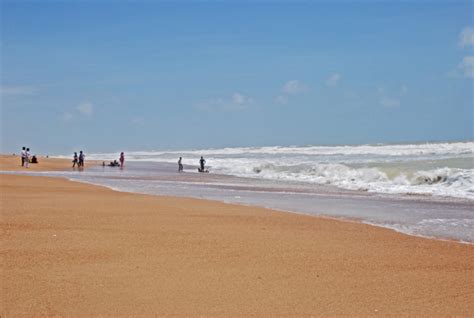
[[106, 76]]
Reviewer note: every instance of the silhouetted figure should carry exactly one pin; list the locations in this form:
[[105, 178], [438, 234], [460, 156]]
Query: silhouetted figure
[[180, 165], [75, 160], [202, 163], [81, 159], [114, 163]]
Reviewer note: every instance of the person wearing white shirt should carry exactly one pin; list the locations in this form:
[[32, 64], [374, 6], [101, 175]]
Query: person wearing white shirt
[[27, 158], [23, 155]]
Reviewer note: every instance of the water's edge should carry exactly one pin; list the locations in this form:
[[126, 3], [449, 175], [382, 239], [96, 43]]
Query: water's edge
[[357, 220]]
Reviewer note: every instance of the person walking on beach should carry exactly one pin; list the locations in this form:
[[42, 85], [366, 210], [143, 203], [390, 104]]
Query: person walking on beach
[[81, 159], [122, 159], [202, 162], [23, 156], [75, 160], [180, 165]]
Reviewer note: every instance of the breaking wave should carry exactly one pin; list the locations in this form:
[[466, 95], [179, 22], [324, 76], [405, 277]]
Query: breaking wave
[[443, 169], [443, 181]]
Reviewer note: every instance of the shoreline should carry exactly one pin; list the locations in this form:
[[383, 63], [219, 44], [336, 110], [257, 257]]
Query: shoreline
[[58, 164], [71, 249], [322, 216], [291, 212]]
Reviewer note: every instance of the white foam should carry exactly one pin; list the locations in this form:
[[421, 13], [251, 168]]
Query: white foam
[[441, 169]]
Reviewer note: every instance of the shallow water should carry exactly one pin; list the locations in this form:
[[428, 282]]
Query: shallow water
[[437, 169], [423, 215]]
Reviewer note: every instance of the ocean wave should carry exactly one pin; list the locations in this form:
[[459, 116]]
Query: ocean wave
[[426, 149], [443, 181], [444, 169]]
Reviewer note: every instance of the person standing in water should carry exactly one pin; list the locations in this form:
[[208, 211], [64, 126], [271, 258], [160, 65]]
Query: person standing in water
[[180, 165], [81, 159], [202, 162], [75, 160], [122, 159]]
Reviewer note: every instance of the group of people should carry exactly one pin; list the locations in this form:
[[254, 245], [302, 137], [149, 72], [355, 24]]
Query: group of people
[[78, 159], [202, 163], [115, 163], [26, 158]]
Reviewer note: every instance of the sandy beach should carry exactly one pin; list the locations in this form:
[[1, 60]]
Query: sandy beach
[[72, 249]]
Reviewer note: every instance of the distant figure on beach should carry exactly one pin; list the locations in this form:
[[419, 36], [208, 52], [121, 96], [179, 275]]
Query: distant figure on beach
[[81, 159], [34, 159], [122, 159], [23, 156], [114, 163], [180, 165], [202, 162], [75, 160], [27, 158]]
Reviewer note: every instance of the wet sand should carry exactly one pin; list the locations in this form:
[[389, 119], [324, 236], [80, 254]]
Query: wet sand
[[72, 249]]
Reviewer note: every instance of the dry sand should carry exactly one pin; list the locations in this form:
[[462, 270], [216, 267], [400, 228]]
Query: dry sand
[[71, 249], [13, 163]]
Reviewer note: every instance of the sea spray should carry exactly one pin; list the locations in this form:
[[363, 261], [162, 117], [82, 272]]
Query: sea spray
[[439, 169]]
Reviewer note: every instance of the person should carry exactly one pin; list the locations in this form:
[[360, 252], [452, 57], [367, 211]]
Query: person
[[122, 159], [81, 159], [34, 159], [27, 158], [202, 162], [74, 160], [23, 156], [180, 165]]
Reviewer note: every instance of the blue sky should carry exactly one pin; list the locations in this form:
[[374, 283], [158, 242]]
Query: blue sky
[[117, 75]]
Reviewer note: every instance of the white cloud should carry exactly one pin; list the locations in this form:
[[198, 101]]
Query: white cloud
[[281, 99], [85, 108], [466, 38], [294, 87], [467, 66], [236, 102], [17, 90], [388, 102], [333, 80]]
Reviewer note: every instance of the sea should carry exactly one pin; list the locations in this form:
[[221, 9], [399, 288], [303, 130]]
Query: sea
[[424, 189]]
